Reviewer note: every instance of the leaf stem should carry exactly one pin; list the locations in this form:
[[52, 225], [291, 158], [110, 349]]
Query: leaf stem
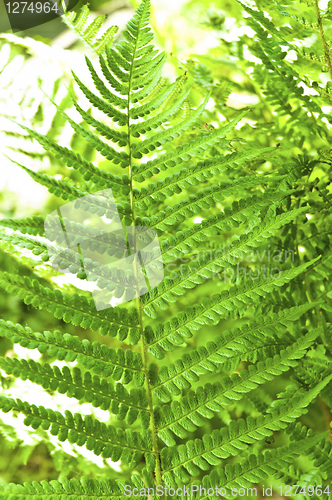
[[322, 35], [144, 352]]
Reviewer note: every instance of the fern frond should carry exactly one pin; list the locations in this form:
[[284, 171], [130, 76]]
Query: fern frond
[[302, 21], [59, 188], [304, 480], [31, 225], [89, 34], [149, 81], [99, 177], [186, 415], [102, 105], [195, 456], [110, 134], [210, 311], [202, 201], [188, 240], [128, 406], [180, 84], [171, 380], [183, 153], [68, 192], [74, 309], [285, 81], [160, 118], [150, 106], [257, 467], [37, 247], [189, 177], [100, 359], [163, 137], [105, 149], [103, 90], [63, 257], [206, 268], [158, 126], [320, 453], [66, 489], [114, 58], [102, 439]]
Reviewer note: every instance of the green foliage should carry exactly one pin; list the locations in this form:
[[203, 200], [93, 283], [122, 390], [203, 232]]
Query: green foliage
[[89, 33], [67, 489], [213, 377]]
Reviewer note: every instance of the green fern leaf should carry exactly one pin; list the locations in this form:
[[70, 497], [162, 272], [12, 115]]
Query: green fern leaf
[[210, 312], [221, 193], [100, 359], [88, 33], [83, 387], [179, 376], [103, 440], [230, 441], [74, 309], [75, 160], [184, 416], [257, 467], [67, 489]]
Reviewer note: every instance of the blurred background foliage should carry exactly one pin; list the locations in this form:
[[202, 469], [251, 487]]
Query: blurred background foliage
[[211, 46]]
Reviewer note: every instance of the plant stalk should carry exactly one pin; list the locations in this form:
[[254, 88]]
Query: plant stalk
[[144, 353], [322, 35]]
